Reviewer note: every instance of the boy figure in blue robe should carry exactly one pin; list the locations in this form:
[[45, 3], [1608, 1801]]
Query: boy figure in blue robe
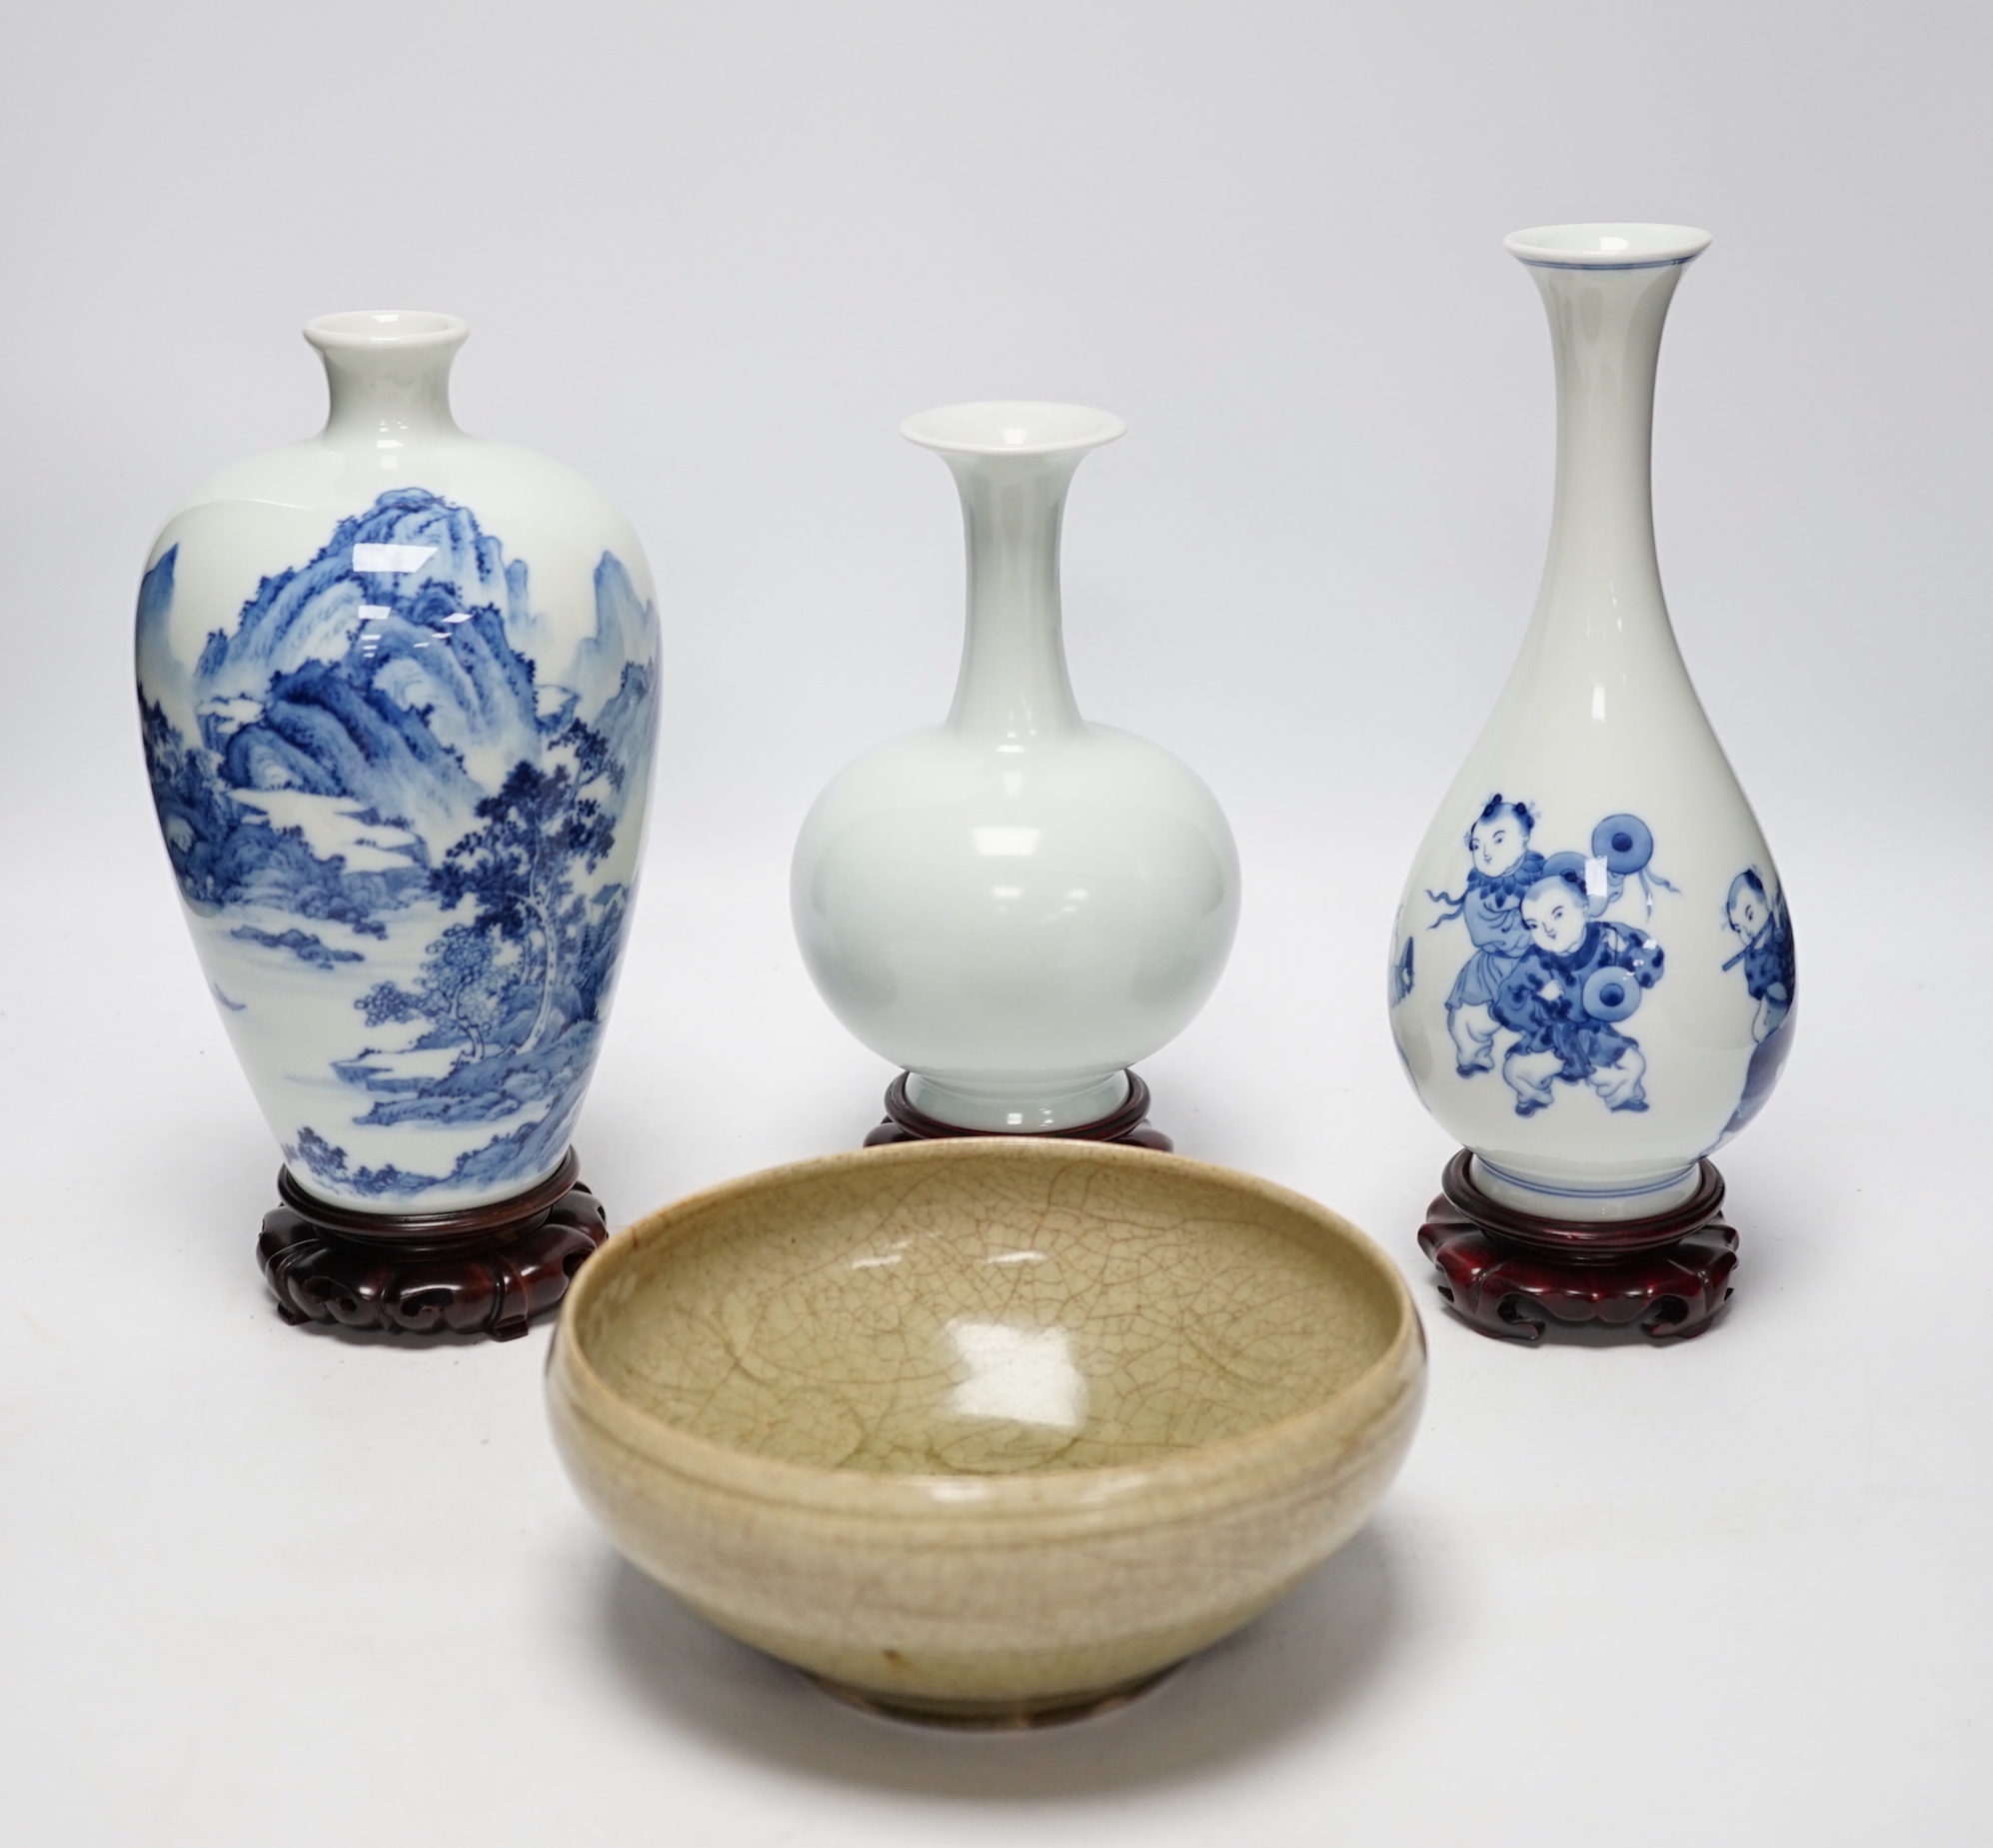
[[1578, 978], [1767, 953], [1504, 868]]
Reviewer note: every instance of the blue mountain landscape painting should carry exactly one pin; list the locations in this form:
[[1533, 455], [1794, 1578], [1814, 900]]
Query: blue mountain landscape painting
[[372, 786]]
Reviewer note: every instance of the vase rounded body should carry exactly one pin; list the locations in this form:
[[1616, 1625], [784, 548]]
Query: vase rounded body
[[1593, 979], [399, 694], [1015, 904]]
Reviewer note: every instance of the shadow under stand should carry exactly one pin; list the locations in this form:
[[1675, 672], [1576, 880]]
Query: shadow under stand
[[482, 1270]]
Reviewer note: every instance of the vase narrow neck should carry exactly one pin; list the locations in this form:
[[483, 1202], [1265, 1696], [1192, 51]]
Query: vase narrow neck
[[1014, 688], [388, 375], [1605, 329]]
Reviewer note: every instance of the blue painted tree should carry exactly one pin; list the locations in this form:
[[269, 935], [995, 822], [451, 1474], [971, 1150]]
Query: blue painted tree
[[539, 830], [519, 987], [461, 990]]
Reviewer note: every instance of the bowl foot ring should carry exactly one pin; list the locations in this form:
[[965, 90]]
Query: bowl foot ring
[[1520, 1278], [994, 1715], [485, 1270], [905, 1123]]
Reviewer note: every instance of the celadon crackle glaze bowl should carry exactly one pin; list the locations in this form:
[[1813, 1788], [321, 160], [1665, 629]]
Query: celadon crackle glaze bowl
[[988, 1431]]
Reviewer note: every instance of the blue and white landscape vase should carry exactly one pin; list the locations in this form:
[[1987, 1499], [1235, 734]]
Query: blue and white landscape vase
[[399, 694], [1592, 983]]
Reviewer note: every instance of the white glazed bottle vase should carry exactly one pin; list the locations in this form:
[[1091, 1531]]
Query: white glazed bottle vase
[[398, 691], [1593, 979], [1015, 904]]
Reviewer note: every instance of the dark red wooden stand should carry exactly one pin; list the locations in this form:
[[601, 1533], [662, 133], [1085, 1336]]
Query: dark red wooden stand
[[485, 1270], [904, 1123], [1516, 1275]]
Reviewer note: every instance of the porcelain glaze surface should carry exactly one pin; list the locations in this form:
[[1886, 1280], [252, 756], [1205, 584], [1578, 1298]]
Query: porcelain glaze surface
[[1015, 904], [1593, 978], [986, 1425], [399, 689]]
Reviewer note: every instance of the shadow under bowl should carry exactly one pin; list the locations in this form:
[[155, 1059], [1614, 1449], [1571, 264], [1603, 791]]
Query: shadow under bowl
[[990, 1431]]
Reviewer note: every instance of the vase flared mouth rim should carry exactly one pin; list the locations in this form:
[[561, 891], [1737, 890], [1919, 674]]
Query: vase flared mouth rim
[[1607, 247], [370, 329], [1011, 427]]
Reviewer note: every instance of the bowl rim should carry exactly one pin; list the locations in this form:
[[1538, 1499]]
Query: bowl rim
[[1338, 1432]]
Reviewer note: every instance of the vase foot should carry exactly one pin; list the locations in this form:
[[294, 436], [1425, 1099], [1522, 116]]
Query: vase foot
[[905, 1123], [1521, 1277], [484, 1270]]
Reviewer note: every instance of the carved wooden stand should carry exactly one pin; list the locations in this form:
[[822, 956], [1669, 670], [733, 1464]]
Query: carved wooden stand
[[905, 1123], [485, 1270], [1516, 1275]]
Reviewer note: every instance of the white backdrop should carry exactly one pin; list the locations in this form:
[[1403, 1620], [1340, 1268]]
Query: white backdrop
[[270, 1586]]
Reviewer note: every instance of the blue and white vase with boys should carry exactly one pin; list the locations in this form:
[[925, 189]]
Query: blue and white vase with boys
[[398, 691], [1593, 979]]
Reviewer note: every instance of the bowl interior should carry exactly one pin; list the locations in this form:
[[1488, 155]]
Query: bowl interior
[[960, 1307]]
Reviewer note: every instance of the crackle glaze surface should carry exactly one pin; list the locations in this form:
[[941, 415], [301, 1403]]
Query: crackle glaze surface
[[986, 1425]]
